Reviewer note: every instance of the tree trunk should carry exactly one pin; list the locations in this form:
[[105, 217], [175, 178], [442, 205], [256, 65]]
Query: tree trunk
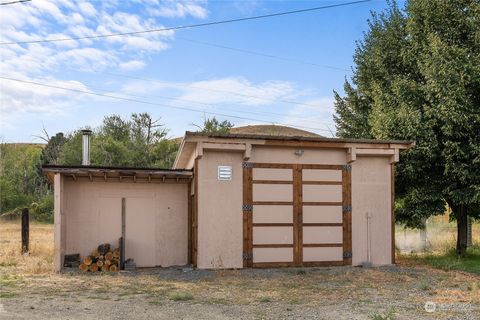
[[460, 212], [462, 229]]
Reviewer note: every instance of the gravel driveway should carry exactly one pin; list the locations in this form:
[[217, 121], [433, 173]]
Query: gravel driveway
[[397, 292]]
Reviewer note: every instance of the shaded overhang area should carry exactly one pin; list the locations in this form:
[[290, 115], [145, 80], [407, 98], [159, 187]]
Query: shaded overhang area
[[118, 174], [196, 142]]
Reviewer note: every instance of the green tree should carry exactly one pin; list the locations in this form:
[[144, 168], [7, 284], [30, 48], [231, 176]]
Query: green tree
[[212, 125], [140, 141], [417, 77]]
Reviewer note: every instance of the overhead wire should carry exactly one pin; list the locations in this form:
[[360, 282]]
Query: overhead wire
[[260, 54], [156, 104], [169, 84], [196, 25]]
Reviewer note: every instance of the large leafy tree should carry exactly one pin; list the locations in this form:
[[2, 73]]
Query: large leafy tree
[[417, 77], [136, 142]]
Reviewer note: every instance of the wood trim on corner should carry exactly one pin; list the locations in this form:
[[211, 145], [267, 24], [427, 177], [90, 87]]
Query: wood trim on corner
[[347, 216], [392, 193]]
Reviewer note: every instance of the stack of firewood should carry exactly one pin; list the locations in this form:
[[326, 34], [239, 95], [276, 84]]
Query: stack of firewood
[[102, 259]]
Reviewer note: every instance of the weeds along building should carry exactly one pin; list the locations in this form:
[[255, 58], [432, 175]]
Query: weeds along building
[[237, 201]]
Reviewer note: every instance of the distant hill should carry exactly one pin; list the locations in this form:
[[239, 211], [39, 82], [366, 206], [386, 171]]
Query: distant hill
[[273, 130], [269, 130]]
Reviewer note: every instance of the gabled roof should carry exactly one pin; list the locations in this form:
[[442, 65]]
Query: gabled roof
[[192, 138]]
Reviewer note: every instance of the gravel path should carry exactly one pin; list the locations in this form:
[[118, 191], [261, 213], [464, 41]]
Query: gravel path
[[397, 292]]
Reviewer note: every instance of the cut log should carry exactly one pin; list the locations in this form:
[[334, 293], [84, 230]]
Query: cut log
[[113, 268], [103, 248], [99, 263], [95, 253], [105, 268], [101, 258], [87, 261], [93, 268], [83, 267], [107, 262], [108, 256], [116, 253]]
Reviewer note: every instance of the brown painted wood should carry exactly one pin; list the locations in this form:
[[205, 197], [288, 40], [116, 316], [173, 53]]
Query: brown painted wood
[[189, 226], [247, 218], [322, 245], [299, 196], [323, 224], [195, 214], [347, 215], [324, 203], [272, 165], [392, 191], [323, 166], [272, 182], [260, 203], [279, 245], [338, 183], [296, 226], [272, 224]]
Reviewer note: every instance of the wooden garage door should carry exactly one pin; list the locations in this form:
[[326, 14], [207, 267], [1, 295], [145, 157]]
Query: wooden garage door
[[296, 215]]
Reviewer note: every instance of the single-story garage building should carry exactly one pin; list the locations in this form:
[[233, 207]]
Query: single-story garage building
[[236, 201]]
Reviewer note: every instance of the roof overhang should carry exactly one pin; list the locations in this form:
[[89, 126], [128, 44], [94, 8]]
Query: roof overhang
[[99, 173], [193, 140]]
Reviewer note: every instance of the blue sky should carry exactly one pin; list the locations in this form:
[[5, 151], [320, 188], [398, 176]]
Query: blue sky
[[181, 69]]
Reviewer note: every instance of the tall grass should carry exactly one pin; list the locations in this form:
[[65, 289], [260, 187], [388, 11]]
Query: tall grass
[[40, 258]]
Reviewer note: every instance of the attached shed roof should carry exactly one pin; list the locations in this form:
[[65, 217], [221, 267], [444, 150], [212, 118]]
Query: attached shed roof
[[115, 172]]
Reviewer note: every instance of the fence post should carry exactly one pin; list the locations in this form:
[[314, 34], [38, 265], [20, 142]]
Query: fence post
[[25, 230]]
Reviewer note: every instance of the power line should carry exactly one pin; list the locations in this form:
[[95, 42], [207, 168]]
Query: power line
[[266, 55], [13, 2], [210, 89], [263, 113], [154, 103], [206, 24]]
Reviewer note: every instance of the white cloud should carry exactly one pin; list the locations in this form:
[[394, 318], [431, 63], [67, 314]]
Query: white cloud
[[132, 65], [180, 9], [51, 19]]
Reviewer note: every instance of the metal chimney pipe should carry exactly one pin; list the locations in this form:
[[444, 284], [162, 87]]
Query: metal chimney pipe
[[86, 147]]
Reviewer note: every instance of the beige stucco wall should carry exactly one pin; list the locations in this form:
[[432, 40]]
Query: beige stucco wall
[[371, 195], [220, 221], [156, 219], [220, 234], [287, 155]]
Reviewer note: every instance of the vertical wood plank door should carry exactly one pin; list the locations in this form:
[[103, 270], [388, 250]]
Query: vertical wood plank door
[[296, 215]]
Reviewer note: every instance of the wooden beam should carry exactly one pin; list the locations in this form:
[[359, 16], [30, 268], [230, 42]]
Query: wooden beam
[[248, 152], [224, 146], [375, 152], [351, 154], [396, 156], [74, 176], [90, 176], [199, 150]]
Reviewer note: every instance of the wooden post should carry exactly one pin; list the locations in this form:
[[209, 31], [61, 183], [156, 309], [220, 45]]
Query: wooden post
[[122, 239], [25, 230]]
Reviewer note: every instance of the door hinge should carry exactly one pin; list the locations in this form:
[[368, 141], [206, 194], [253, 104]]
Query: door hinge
[[347, 167], [347, 208], [247, 207], [347, 254], [247, 256], [247, 164]]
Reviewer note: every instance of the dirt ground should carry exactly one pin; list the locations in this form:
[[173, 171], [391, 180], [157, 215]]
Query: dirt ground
[[29, 289], [398, 292]]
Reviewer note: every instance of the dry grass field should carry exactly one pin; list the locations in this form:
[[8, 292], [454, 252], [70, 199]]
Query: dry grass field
[[30, 290]]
